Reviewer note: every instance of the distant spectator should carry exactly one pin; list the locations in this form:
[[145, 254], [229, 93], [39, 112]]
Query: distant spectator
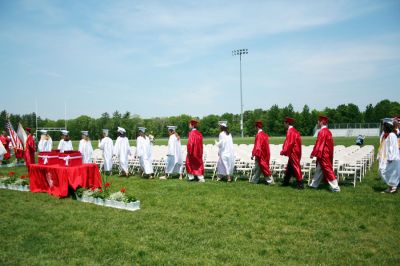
[[360, 140]]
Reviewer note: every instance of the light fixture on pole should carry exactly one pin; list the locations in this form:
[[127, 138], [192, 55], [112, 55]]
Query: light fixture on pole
[[240, 52]]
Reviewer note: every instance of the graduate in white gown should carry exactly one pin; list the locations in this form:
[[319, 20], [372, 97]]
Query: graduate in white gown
[[389, 158], [143, 151], [173, 161], [85, 147], [65, 143], [226, 160], [106, 145], [122, 150], [45, 143]]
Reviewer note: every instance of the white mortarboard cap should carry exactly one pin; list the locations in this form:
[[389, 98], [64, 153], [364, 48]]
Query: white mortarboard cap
[[43, 131], [171, 127], [388, 121], [223, 123], [105, 131], [85, 132], [143, 129], [64, 132], [121, 130]]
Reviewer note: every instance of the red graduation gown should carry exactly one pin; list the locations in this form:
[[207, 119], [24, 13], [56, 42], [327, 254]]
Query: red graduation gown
[[323, 150], [194, 158], [5, 141], [261, 152], [292, 149], [30, 151]]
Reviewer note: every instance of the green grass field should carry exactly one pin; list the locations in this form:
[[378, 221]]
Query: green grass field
[[211, 223]]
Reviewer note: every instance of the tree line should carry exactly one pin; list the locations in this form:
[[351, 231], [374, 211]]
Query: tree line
[[272, 118]]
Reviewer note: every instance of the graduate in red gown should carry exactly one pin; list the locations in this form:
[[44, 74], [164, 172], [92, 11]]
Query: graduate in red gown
[[29, 148], [5, 140], [323, 150], [261, 154], [194, 158], [292, 149]]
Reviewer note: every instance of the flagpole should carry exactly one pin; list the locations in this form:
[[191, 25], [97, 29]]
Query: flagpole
[[36, 115], [65, 114]]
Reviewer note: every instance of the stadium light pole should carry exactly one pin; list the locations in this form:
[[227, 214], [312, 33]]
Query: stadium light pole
[[240, 52]]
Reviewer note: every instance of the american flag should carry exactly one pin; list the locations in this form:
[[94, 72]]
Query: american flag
[[15, 141]]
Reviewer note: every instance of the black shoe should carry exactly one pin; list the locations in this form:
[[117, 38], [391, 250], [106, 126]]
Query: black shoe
[[285, 184], [300, 185]]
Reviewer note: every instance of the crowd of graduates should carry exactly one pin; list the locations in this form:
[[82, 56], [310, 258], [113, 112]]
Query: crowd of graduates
[[323, 151]]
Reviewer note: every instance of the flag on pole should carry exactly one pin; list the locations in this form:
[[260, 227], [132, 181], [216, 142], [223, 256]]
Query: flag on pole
[[15, 141], [22, 134]]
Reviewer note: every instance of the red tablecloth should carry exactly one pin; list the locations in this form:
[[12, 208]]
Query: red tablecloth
[[55, 179]]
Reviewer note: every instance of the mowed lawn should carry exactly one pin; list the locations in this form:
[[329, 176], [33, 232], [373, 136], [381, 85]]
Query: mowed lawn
[[211, 223]]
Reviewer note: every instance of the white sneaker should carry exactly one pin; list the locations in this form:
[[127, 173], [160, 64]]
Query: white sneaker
[[163, 178], [202, 180]]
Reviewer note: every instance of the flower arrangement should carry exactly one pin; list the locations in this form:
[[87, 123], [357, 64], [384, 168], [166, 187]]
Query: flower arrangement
[[105, 193], [11, 181]]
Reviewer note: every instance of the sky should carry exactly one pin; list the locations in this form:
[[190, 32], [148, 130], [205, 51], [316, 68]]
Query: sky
[[164, 58]]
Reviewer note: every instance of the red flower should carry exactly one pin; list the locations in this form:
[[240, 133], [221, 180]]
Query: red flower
[[123, 190], [11, 174], [107, 184], [22, 177], [101, 190]]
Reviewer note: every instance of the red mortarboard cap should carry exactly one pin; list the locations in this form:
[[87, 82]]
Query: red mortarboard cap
[[194, 122], [322, 118], [28, 129], [259, 123], [289, 120]]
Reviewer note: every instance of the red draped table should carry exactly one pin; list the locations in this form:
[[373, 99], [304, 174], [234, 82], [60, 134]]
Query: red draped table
[[55, 179]]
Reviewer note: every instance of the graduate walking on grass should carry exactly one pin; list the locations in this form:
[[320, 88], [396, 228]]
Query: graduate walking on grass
[[292, 149], [389, 158], [261, 154], [122, 150], [45, 143], [30, 148], [143, 151], [85, 147], [194, 158], [323, 150], [174, 161], [226, 155], [106, 146], [65, 143]]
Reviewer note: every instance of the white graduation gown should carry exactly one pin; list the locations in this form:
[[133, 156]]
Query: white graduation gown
[[65, 146], [45, 145], [122, 150], [389, 151], [173, 162], [143, 151], [106, 145], [86, 149], [2, 151], [226, 161]]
